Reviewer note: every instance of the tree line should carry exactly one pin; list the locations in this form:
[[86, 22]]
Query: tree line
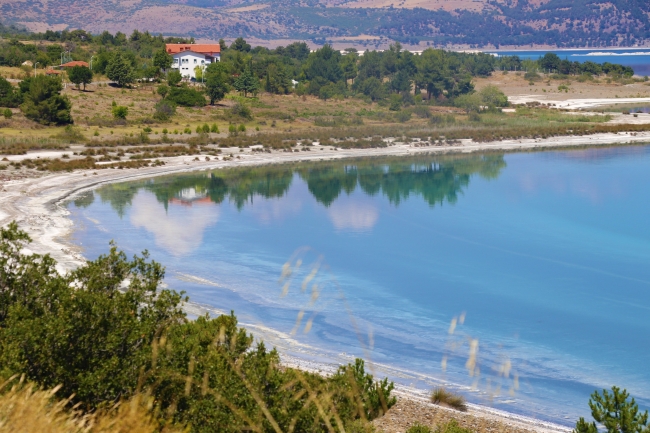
[[394, 77]]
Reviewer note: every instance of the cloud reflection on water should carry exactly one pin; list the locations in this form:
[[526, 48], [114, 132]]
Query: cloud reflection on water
[[179, 229], [353, 213]]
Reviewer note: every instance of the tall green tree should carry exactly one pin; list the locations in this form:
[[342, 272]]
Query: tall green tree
[[240, 44], [79, 75], [43, 103], [615, 412], [216, 82], [162, 60], [9, 97], [120, 70], [247, 82]]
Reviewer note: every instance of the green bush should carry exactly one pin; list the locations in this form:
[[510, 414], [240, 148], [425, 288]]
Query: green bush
[[120, 111], [7, 113], [164, 110], [241, 110], [451, 427], [186, 97], [419, 428], [403, 116], [205, 128], [214, 128]]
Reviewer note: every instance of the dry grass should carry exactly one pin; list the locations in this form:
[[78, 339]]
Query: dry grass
[[26, 409], [442, 397]]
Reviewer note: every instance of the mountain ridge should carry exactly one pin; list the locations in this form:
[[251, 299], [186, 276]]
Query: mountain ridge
[[479, 23]]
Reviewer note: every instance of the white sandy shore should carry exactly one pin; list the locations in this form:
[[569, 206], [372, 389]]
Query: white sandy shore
[[37, 205], [577, 104]]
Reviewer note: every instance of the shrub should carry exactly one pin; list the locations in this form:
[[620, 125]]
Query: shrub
[[186, 97], [214, 128], [403, 116], [241, 128], [164, 110], [421, 111], [532, 76], [419, 428], [120, 111], [205, 128], [187, 130], [360, 426], [443, 397], [7, 113], [451, 427], [242, 111]]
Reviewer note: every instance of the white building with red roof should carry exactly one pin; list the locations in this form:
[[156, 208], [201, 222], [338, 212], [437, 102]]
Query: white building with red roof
[[188, 57]]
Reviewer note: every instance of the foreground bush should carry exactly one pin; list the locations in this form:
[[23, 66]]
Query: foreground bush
[[106, 331]]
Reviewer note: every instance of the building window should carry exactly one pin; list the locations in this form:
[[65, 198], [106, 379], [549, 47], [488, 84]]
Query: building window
[[195, 61]]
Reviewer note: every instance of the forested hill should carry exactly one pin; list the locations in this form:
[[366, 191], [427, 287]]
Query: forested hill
[[474, 23]]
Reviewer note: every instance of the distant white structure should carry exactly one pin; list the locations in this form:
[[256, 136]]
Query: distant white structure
[[187, 57]]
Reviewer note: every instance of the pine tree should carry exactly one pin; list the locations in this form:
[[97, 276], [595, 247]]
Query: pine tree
[[615, 412], [120, 71]]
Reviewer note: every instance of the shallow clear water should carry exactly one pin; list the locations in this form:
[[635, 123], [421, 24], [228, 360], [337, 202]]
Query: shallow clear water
[[544, 255], [637, 58]]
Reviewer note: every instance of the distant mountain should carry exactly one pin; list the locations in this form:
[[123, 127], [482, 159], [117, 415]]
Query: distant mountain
[[474, 23]]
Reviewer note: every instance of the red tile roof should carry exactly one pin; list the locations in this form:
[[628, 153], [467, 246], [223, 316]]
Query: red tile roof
[[74, 63], [197, 48]]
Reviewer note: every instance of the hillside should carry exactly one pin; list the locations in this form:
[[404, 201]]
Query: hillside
[[477, 23]]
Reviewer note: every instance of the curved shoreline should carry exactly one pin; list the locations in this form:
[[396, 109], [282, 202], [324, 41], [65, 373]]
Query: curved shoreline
[[37, 205]]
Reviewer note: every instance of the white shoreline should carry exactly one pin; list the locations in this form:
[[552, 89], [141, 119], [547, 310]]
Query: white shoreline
[[36, 204]]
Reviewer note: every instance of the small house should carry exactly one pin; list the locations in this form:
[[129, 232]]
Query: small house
[[187, 57]]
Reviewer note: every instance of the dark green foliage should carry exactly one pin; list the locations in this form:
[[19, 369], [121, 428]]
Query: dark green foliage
[[615, 413], [120, 70], [240, 44], [7, 113], [79, 75], [247, 83], [162, 90], [216, 82], [186, 97], [162, 60], [173, 78], [81, 330], [43, 102], [9, 97]]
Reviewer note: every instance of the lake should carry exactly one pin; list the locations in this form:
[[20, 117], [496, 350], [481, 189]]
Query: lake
[[637, 58], [520, 280]]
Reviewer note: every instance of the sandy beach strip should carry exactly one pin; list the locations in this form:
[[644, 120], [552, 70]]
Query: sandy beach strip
[[37, 204]]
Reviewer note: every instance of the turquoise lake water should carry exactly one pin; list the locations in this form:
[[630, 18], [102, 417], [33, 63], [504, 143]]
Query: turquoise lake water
[[637, 58], [544, 255]]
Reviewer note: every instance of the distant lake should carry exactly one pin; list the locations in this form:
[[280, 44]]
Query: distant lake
[[637, 58], [522, 279]]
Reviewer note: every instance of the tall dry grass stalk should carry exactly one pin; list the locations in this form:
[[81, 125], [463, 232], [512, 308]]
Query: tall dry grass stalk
[[24, 408]]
